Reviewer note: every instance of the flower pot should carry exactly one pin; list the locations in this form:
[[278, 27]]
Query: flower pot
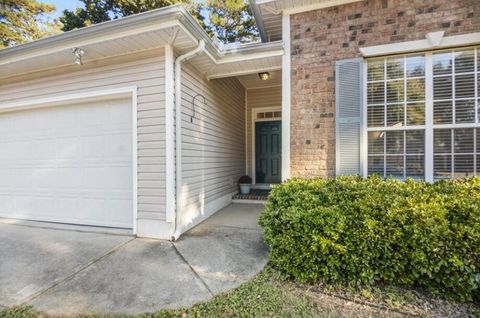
[[245, 188]]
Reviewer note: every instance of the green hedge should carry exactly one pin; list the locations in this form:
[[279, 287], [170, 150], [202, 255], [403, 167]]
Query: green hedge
[[362, 231]]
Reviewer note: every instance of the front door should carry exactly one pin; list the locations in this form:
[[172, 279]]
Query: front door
[[268, 151]]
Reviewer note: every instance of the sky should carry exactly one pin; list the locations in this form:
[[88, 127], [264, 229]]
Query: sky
[[73, 4], [64, 4]]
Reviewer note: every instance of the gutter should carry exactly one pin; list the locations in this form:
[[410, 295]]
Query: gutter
[[258, 20], [178, 130]]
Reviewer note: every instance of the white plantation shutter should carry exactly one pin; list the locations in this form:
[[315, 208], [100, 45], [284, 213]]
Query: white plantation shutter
[[348, 110]]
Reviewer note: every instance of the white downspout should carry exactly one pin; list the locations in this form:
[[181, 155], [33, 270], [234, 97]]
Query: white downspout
[[178, 130]]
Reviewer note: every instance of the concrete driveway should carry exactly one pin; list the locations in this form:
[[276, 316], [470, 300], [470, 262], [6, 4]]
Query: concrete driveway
[[69, 272]]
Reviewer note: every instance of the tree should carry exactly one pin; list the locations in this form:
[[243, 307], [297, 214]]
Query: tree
[[96, 11], [232, 20], [24, 20]]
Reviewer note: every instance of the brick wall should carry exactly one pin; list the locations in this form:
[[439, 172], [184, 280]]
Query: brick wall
[[319, 38]]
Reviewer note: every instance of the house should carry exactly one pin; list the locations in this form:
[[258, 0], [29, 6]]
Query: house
[[145, 123]]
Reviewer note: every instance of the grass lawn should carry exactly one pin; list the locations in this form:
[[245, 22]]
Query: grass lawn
[[267, 295]]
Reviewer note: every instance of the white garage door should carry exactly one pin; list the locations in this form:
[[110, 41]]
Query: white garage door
[[68, 164]]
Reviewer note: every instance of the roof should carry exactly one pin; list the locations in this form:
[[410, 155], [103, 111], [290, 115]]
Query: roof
[[140, 32], [268, 13]]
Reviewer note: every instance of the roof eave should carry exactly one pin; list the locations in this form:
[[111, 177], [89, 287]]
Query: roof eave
[[258, 20]]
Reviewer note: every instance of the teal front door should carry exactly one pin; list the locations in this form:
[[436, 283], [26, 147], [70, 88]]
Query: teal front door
[[268, 152]]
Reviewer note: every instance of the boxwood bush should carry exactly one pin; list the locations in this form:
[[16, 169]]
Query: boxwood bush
[[358, 231]]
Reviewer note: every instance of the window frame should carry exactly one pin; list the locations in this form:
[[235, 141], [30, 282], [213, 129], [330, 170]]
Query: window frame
[[429, 125]]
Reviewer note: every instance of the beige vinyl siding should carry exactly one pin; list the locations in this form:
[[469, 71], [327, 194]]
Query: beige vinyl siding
[[213, 146], [144, 70], [261, 97]]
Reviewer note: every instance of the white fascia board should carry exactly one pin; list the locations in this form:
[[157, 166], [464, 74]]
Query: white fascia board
[[421, 45], [251, 56]]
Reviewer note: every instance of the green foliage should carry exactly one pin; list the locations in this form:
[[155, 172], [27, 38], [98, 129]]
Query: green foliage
[[24, 20], [361, 231], [262, 296], [229, 20], [96, 11], [232, 20]]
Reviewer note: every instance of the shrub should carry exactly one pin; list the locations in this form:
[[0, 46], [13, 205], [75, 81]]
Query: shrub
[[360, 231], [245, 180]]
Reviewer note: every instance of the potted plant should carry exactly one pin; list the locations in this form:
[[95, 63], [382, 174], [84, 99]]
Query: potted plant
[[245, 183]]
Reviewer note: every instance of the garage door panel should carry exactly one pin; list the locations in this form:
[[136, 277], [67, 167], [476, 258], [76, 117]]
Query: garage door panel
[[68, 164]]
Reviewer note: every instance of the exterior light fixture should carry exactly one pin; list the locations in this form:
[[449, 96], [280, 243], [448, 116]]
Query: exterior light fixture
[[79, 53], [264, 76]]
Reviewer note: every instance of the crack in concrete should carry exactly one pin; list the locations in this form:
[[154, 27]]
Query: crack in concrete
[[79, 270], [204, 283]]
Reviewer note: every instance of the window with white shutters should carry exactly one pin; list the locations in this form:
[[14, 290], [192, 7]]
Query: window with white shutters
[[401, 91]]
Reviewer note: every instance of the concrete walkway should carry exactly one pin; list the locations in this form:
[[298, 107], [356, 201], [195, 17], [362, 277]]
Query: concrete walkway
[[67, 272]]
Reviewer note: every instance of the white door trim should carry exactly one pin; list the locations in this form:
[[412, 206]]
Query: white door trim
[[254, 119], [127, 92]]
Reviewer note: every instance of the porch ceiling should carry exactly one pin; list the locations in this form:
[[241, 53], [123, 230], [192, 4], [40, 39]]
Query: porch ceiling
[[252, 81]]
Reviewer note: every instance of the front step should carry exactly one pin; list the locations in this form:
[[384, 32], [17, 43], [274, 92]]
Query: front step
[[255, 196]]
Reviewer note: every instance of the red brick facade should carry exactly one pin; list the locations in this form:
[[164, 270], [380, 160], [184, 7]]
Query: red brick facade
[[319, 38]]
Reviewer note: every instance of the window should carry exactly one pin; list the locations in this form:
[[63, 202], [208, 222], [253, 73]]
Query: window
[[269, 115], [396, 116], [397, 122]]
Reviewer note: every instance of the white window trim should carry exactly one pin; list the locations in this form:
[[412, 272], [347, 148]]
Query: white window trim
[[254, 119], [429, 126], [432, 41]]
